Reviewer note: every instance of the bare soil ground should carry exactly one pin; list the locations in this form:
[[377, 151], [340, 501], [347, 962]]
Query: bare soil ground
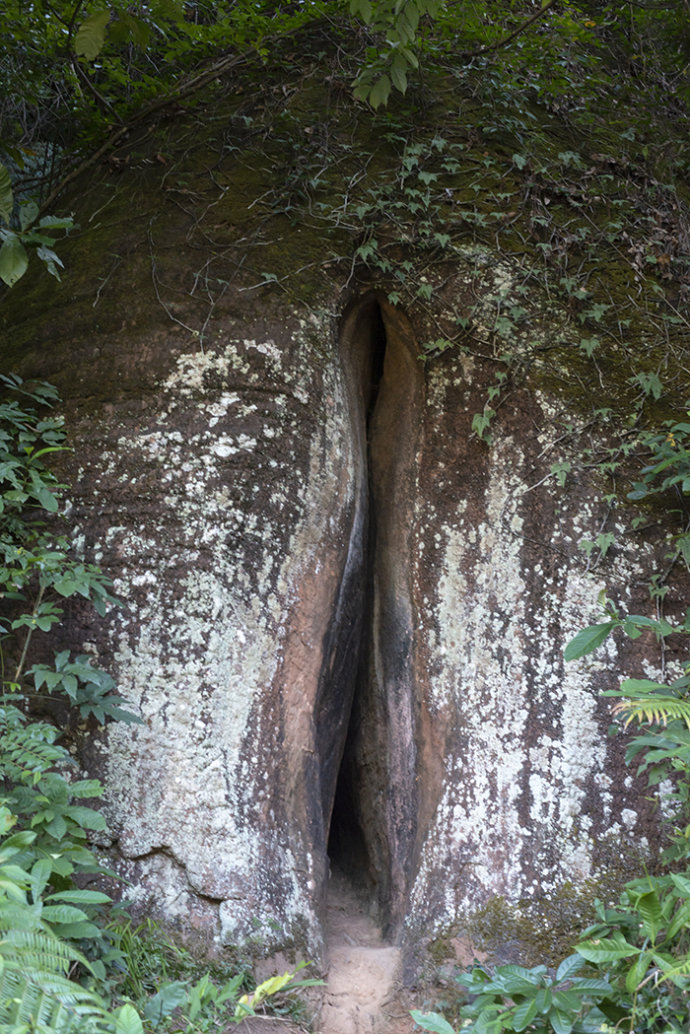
[[363, 993]]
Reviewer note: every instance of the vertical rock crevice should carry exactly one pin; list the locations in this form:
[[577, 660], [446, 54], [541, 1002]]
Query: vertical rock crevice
[[366, 710]]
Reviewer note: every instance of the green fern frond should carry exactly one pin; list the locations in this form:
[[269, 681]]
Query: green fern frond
[[28, 749], [48, 1000], [35, 989], [658, 710], [39, 950], [17, 915]]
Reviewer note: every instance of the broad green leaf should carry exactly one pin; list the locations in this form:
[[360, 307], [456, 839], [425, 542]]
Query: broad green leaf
[[363, 9], [649, 907], [90, 36], [637, 972], [524, 1013], [27, 214], [79, 931], [543, 999], [137, 29], [40, 874], [636, 686], [566, 1001], [680, 920], [409, 56], [380, 92], [6, 196], [587, 640], [594, 1022], [63, 914], [86, 817], [399, 76], [682, 883], [42, 493], [79, 897], [70, 686], [13, 260], [588, 985], [51, 260], [57, 827], [432, 1021], [172, 9], [561, 1022], [17, 842], [128, 1021], [514, 979], [87, 788], [170, 996], [606, 949], [56, 222], [569, 966]]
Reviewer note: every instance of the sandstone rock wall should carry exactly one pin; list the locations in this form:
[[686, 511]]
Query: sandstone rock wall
[[344, 614]]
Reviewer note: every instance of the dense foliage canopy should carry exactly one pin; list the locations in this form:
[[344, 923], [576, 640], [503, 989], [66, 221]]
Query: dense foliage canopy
[[72, 70], [76, 75]]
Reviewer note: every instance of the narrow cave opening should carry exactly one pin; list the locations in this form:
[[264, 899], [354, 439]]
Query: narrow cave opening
[[349, 831]]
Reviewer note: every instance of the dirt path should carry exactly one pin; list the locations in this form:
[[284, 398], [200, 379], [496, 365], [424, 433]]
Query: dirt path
[[363, 991]]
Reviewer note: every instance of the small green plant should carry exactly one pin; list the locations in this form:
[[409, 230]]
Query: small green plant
[[27, 232], [513, 999]]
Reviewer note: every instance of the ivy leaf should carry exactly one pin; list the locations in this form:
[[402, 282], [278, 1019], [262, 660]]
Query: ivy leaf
[[90, 36], [587, 640], [13, 260]]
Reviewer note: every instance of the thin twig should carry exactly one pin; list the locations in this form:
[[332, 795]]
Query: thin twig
[[20, 666], [468, 54]]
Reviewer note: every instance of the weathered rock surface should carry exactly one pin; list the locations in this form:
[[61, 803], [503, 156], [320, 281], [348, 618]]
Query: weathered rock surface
[[344, 615]]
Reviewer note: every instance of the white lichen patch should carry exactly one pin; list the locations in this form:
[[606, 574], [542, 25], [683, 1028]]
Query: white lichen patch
[[524, 795], [209, 587]]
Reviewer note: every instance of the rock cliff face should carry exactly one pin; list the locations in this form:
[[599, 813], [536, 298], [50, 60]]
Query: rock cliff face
[[344, 613]]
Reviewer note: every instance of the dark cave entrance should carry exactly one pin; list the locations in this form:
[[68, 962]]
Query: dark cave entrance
[[366, 715], [350, 830]]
